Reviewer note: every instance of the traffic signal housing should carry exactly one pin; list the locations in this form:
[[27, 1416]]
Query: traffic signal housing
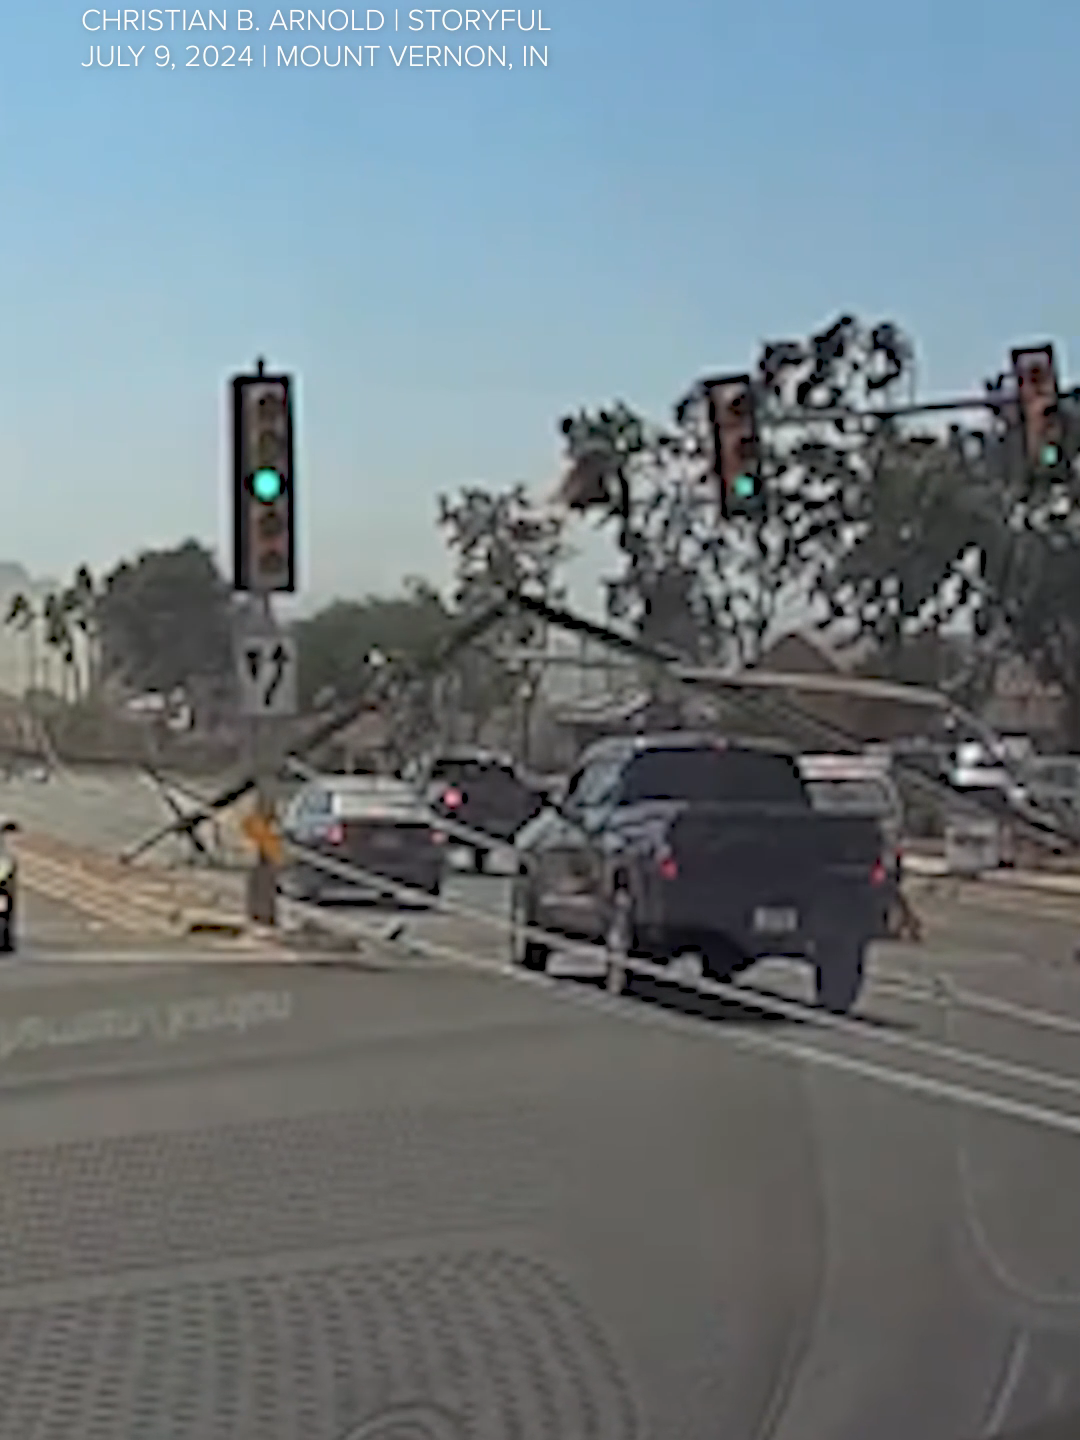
[[264, 539], [1037, 393], [736, 448]]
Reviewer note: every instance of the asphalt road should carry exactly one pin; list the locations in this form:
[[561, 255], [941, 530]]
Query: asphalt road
[[284, 1200]]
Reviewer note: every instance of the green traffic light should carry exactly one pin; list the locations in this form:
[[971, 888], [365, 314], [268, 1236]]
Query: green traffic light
[[744, 486], [1049, 456], [266, 485]]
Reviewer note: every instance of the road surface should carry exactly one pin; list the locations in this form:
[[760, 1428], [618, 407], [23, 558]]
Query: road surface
[[284, 1200]]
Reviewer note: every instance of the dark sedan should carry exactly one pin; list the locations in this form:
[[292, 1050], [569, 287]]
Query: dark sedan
[[363, 821], [482, 792]]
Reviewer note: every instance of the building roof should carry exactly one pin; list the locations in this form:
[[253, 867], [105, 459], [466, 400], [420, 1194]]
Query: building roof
[[804, 650]]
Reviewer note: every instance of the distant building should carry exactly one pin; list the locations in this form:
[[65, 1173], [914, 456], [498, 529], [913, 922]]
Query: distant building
[[361, 746], [1022, 705]]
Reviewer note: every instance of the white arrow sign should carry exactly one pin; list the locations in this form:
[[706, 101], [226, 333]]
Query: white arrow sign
[[266, 670]]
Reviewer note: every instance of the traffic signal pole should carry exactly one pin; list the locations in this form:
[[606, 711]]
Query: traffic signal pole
[[262, 881], [264, 564]]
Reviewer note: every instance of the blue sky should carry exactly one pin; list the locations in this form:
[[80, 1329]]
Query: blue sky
[[450, 259]]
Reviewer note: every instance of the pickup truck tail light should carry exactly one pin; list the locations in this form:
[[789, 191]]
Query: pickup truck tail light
[[667, 866], [452, 798], [879, 874], [334, 834]]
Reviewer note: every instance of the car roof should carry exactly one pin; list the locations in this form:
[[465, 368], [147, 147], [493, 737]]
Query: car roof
[[362, 784], [683, 740], [357, 794]]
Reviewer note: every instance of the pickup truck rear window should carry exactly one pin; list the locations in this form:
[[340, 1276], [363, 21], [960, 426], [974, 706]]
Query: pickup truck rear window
[[851, 797], [732, 776]]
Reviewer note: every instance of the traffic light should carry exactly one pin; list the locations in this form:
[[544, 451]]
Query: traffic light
[[736, 451], [264, 541], [1037, 391]]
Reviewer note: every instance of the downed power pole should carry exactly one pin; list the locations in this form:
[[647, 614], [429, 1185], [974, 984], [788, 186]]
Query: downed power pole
[[757, 695], [187, 825], [754, 695]]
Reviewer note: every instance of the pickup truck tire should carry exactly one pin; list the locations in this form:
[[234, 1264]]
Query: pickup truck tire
[[839, 977], [7, 933], [619, 942], [479, 861], [529, 954]]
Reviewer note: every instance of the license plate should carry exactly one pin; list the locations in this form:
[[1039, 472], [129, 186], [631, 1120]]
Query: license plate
[[385, 842], [779, 921]]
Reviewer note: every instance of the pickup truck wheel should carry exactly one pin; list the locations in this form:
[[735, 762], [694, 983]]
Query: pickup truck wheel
[[529, 954], [619, 943], [840, 977]]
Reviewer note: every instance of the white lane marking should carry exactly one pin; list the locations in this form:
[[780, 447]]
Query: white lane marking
[[770, 1003], [1011, 1009], [933, 984], [749, 995], [1044, 1116], [1010, 1380], [914, 1044], [948, 1053], [742, 994]]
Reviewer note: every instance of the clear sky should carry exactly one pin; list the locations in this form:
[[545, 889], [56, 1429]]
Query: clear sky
[[449, 259]]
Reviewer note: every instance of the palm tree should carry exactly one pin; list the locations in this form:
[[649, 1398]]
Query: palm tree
[[81, 605], [22, 616], [59, 638]]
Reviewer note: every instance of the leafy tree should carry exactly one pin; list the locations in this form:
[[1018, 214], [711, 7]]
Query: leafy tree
[[501, 541], [22, 616], [79, 605], [43, 622], [957, 528], [341, 646], [59, 639], [715, 590], [166, 619]]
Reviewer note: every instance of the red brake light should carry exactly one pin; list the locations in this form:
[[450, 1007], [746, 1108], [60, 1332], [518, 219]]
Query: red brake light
[[878, 875], [668, 867], [452, 798], [335, 834]]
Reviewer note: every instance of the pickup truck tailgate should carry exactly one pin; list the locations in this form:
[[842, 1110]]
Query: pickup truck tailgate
[[756, 874]]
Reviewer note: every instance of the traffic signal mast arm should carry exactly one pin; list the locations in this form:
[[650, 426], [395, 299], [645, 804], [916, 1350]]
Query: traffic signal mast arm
[[896, 412]]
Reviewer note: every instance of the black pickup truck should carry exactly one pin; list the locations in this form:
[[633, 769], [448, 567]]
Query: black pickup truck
[[701, 853]]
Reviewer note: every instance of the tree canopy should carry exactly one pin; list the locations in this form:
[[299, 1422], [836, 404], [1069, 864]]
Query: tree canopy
[[883, 529], [500, 541], [340, 648], [166, 619]]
